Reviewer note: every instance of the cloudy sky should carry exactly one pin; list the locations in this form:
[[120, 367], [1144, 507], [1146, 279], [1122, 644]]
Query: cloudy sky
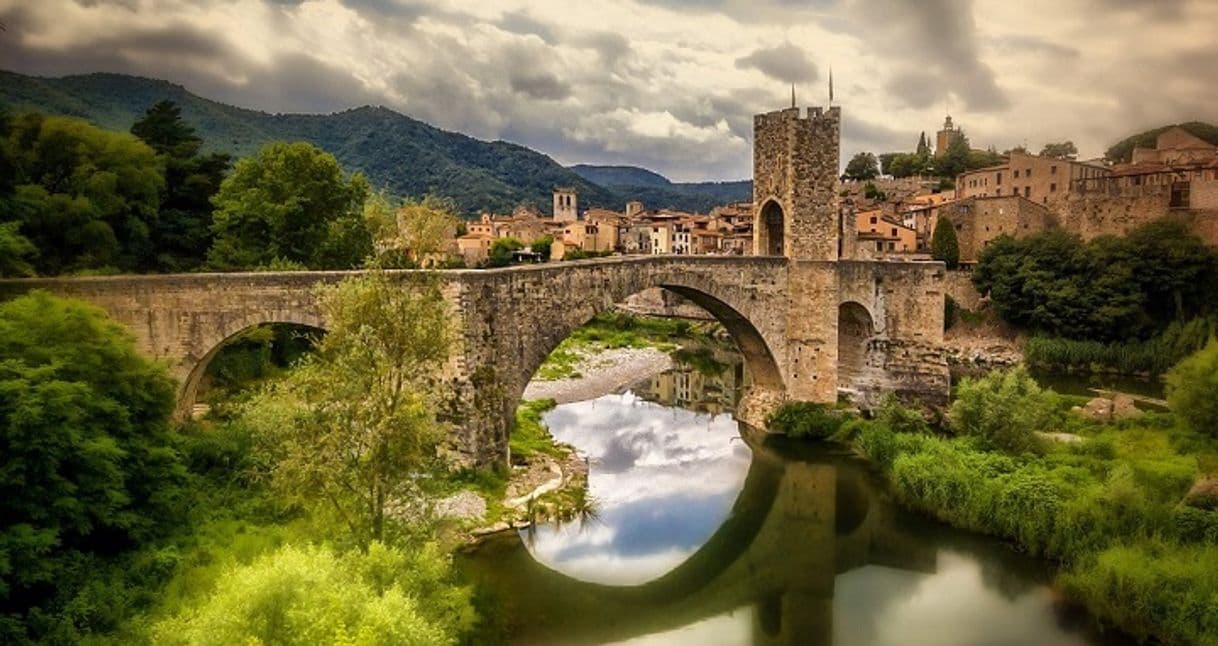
[[666, 84]]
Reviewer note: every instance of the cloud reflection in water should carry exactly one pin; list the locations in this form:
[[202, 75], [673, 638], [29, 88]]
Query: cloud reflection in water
[[664, 480]]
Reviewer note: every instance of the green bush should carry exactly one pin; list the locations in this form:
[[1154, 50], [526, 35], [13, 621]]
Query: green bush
[[1004, 410], [311, 595], [799, 419], [529, 434], [1192, 390], [1153, 356], [1152, 588]]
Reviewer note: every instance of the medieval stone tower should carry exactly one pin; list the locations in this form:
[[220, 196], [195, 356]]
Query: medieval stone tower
[[566, 205], [795, 172]]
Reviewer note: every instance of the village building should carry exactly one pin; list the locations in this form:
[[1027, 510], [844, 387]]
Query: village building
[[566, 205], [880, 234], [1040, 179]]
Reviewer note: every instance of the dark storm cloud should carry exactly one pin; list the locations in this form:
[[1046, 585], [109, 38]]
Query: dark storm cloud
[[610, 46], [785, 62], [930, 37], [539, 85], [519, 22]]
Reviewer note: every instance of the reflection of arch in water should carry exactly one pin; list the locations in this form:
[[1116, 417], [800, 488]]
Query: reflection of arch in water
[[781, 547]]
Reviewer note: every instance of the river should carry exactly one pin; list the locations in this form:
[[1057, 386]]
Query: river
[[707, 532]]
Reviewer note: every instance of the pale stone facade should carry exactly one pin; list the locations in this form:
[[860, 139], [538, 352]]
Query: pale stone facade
[[978, 220], [566, 205], [1040, 179]]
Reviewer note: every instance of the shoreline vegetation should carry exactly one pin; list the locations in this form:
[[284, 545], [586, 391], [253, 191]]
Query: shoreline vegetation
[[1128, 508]]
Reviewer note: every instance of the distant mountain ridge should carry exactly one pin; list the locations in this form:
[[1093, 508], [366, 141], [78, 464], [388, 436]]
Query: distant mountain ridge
[[655, 190], [398, 153]]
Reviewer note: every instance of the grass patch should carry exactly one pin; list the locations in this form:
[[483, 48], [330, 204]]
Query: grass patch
[[530, 436], [615, 330], [1151, 357]]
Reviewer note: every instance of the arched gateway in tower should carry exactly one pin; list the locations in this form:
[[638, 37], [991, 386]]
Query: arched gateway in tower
[[798, 308]]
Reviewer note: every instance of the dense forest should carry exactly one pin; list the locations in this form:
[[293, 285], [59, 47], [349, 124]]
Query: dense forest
[[401, 155]]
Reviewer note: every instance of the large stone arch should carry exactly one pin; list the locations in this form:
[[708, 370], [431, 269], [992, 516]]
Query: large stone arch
[[855, 329], [190, 369]]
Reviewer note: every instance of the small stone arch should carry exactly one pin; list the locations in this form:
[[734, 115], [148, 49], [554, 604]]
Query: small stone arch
[[771, 228], [855, 328], [190, 370]]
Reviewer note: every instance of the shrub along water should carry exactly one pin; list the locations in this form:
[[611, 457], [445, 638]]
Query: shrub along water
[[1108, 508], [1153, 356]]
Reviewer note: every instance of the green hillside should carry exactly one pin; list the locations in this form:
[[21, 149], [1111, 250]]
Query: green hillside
[[1122, 151], [403, 155], [656, 191]]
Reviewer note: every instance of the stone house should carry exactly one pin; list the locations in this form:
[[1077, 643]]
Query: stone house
[[978, 220], [1040, 179]]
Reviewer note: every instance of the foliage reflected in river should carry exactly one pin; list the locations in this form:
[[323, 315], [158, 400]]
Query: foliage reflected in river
[[706, 537]]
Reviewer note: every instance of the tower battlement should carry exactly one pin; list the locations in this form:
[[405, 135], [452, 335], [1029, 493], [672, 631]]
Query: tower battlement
[[796, 156]]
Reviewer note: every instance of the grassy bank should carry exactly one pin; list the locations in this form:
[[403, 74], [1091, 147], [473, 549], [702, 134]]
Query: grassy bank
[[1150, 357], [1109, 507]]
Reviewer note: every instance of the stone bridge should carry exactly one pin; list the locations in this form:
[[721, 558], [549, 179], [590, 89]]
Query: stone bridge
[[795, 526], [794, 322], [811, 318]]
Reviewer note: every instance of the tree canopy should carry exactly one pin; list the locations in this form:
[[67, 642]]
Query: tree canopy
[[183, 232], [1122, 151], [415, 233], [943, 243], [1108, 289], [1060, 150], [89, 468], [351, 427], [862, 166], [87, 199], [290, 202]]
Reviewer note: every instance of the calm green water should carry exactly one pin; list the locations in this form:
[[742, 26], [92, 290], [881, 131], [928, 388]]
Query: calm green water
[[710, 534]]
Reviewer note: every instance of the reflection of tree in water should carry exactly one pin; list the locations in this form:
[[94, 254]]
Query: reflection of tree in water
[[706, 378]]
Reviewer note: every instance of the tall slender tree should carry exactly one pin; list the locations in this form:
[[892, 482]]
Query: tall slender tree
[[182, 233]]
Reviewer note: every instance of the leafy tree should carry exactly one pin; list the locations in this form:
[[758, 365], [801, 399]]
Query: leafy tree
[[419, 232], [872, 193], [1016, 149], [1004, 410], [862, 166], [501, 251], [350, 429], [183, 231], [905, 164], [542, 245], [290, 202], [310, 595], [1192, 390], [1109, 289], [15, 251], [1060, 150], [923, 149], [955, 159], [943, 243], [86, 198], [88, 464], [984, 158]]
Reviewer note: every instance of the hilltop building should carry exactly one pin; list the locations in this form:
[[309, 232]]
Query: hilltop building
[[1036, 178], [944, 137]]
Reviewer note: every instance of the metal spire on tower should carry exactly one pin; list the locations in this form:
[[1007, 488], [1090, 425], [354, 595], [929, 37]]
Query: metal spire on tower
[[830, 85], [792, 95]]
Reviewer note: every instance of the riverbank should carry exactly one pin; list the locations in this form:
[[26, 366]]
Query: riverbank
[[600, 372], [1120, 506]]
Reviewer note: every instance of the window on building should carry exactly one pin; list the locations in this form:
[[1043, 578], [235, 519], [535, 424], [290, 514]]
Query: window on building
[[998, 192], [1027, 172], [1015, 174], [894, 232], [1053, 170], [873, 219], [1180, 196], [1027, 191], [998, 178], [1053, 188]]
